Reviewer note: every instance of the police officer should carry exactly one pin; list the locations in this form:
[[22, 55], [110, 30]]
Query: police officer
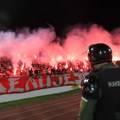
[[101, 88]]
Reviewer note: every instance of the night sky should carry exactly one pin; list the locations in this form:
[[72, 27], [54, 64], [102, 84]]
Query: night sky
[[15, 14]]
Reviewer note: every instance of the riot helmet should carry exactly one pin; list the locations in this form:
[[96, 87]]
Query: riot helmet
[[99, 53]]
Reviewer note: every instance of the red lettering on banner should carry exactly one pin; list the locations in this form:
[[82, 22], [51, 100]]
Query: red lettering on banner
[[13, 88], [31, 81], [2, 89], [60, 80], [67, 79], [25, 84]]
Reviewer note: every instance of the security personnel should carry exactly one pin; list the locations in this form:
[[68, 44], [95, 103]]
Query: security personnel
[[101, 88]]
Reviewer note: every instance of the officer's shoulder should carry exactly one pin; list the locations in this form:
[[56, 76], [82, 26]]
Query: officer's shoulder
[[90, 79], [90, 86]]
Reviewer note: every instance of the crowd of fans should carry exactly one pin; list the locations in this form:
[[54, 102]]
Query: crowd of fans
[[5, 66], [8, 70]]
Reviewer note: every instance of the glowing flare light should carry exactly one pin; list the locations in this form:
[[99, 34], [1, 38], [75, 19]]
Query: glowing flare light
[[43, 46]]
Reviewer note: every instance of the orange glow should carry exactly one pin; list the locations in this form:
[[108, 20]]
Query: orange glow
[[38, 46], [59, 58]]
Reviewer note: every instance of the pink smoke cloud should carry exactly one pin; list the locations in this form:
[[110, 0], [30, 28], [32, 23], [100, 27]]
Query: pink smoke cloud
[[38, 44]]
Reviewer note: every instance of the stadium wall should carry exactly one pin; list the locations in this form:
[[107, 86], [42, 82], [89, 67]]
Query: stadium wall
[[47, 91]]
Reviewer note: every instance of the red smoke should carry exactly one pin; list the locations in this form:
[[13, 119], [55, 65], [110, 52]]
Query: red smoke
[[38, 44]]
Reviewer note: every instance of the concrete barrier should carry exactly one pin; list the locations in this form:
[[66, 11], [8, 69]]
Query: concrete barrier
[[36, 93]]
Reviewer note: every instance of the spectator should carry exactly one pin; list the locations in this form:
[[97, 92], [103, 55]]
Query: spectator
[[31, 72]]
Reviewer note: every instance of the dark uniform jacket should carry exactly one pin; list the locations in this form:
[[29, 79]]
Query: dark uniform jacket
[[103, 85]]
